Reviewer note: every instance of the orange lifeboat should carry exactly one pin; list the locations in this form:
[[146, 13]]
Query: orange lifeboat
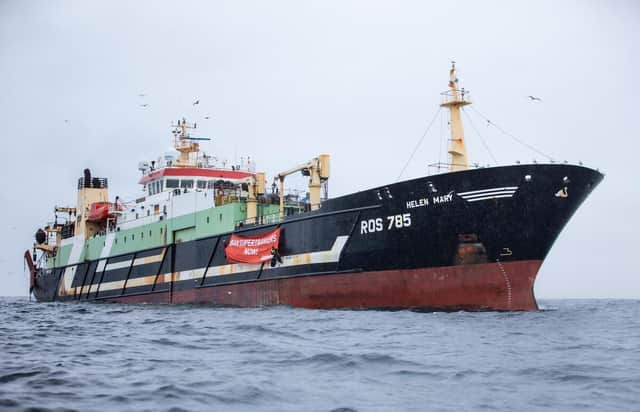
[[101, 211]]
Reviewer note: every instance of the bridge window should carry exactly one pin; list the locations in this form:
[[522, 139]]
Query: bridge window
[[202, 184], [210, 184], [172, 183], [186, 184]]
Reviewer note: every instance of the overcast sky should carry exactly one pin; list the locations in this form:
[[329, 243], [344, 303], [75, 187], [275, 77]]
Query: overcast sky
[[284, 81]]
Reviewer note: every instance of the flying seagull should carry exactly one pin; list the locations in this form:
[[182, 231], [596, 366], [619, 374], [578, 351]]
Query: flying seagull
[[207, 117], [196, 102], [534, 98], [142, 95], [144, 105], [66, 120]]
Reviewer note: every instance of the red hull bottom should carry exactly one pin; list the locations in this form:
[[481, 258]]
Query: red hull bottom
[[485, 286]]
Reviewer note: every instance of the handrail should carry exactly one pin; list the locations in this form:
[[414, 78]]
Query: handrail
[[449, 96]]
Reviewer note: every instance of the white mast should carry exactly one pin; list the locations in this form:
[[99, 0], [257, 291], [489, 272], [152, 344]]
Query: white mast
[[454, 99]]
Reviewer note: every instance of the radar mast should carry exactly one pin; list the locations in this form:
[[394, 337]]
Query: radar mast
[[454, 99], [184, 143]]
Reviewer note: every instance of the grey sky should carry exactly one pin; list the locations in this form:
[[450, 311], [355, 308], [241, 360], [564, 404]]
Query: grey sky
[[287, 80]]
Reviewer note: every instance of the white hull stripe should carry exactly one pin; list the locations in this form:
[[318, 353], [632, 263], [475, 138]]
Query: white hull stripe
[[514, 188], [325, 256], [485, 194], [497, 192], [489, 197], [126, 263], [101, 265], [118, 265], [108, 244]]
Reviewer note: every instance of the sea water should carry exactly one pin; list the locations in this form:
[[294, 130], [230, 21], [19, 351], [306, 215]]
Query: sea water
[[573, 355]]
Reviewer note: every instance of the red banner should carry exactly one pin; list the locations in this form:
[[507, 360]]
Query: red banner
[[252, 249]]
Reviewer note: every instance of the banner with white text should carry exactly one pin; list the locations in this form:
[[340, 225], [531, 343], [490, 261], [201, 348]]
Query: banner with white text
[[252, 249]]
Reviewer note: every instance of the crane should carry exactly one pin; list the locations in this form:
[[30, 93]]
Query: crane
[[255, 188], [318, 171]]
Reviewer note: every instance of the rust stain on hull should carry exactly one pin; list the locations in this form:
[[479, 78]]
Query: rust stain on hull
[[474, 287]]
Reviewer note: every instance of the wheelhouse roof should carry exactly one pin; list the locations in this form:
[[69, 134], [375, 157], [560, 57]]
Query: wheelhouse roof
[[195, 172]]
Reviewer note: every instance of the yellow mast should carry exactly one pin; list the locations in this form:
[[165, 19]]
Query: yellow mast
[[183, 144], [454, 99]]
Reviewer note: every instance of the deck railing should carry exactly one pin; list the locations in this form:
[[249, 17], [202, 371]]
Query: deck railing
[[448, 97], [93, 183]]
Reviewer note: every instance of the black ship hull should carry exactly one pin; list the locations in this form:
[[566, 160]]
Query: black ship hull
[[466, 240]]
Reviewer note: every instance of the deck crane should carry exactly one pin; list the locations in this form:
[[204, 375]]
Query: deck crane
[[318, 171], [255, 188]]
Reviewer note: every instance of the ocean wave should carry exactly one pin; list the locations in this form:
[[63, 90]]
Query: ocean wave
[[160, 357]]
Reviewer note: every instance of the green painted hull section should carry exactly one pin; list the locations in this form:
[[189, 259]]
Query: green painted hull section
[[205, 223], [61, 258]]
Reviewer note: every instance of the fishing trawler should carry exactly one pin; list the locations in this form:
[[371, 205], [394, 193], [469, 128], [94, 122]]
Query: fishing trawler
[[468, 238]]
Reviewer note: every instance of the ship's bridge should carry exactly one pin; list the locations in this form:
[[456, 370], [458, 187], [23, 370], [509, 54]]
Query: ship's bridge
[[188, 168], [171, 178]]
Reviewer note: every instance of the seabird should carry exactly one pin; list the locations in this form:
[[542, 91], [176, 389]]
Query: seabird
[[196, 102], [534, 98], [144, 105]]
